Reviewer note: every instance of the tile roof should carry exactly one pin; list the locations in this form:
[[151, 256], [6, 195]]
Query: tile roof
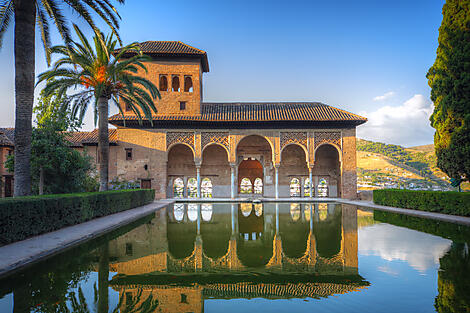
[[79, 139], [174, 48], [7, 137], [261, 112]]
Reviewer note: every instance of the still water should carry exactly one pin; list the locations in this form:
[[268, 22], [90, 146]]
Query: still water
[[244, 257]]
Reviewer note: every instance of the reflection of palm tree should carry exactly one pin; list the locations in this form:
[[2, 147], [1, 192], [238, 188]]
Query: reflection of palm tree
[[133, 305]]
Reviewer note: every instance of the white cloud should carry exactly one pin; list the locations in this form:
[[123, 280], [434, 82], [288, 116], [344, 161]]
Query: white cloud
[[421, 251], [385, 96], [406, 124]]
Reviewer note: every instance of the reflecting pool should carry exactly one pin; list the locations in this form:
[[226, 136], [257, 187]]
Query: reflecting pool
[[246, 257]]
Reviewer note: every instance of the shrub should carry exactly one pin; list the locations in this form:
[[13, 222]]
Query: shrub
[[24, 217], [448, 202]]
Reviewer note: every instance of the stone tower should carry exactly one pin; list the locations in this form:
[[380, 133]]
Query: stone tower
[[177, 71]]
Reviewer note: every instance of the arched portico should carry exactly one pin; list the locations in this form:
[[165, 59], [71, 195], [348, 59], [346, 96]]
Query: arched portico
[[180, 166], [215, 166], [293, 169], [254, 161], [327, 171]]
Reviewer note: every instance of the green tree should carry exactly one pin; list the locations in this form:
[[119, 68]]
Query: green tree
[[449, 79], [98, 77], [26, 14], [51, 110]]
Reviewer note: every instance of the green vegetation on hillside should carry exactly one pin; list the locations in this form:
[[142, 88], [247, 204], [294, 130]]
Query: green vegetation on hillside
[[421, 162]]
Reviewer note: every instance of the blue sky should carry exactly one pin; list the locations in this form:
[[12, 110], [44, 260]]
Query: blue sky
[[367, 57]]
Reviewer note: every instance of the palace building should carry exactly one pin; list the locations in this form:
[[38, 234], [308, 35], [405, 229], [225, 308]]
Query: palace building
[[200, 149], [223, 150]]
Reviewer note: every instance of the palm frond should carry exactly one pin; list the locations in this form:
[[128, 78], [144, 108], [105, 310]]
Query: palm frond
[[6, 16], [43, 23]]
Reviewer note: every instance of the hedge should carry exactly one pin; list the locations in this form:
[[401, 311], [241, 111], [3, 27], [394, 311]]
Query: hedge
[[448, 202], [24, 217]]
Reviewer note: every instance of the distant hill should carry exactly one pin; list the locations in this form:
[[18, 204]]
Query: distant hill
[[381, 165]]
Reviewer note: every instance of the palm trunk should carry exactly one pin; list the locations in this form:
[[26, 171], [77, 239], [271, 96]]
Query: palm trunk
[[103, 279], [25, 18], [103, 142]]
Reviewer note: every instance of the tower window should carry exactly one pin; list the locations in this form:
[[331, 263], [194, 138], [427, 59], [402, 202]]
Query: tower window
[[129, 250], [175, 83], [163, 83], [188, 84], [182, 105], [128, 154]]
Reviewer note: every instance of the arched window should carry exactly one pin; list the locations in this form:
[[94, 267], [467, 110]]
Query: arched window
[[206, 188], [178, 211], [163, 83], [322, 188], [188, 84], [245, 186], [246, 208], [295, 187], [206, 212], [192, 187], [258, 186], [178, 188], [295, 211], [175, 83], [192, 212], [307, 187]]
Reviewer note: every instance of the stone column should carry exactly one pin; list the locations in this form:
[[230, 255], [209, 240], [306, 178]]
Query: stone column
[[276, 177], [232, 181], [198, 178], [310, 180]]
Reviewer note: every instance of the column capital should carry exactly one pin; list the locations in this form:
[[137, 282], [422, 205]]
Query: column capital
[[233, 165]]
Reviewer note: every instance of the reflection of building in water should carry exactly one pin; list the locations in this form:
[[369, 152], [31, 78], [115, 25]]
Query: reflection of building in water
[[220, 239]]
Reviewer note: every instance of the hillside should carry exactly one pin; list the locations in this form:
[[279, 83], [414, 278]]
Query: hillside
[[382, 165]]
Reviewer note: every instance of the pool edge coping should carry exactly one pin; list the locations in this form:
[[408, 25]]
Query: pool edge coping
[[22, 254]]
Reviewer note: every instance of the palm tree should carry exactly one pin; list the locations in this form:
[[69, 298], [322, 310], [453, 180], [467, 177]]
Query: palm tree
[[26, 14], [97, 77]]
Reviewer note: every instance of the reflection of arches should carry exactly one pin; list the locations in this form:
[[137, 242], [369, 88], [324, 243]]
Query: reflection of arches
[[258, 186], [328, 231], [192, 187], [246, 208], [245, 186], [192, 212], [295, 187], [258, 209], [206, 212], [178, 188], [295, 211], [181, 237], [206, 188], [294, 232], [216, 234], [178, 211]]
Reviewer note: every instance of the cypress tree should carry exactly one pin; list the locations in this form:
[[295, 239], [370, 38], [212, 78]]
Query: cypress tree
[[449, 79]]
